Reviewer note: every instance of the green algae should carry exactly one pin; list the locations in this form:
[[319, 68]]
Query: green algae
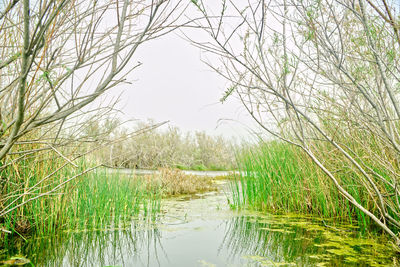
[[342, 251], [259, 239], [328, 244], [17, 260], [264, 261], [276, 230], [312, 241], [206, 264], [338, 240], [323, 264]]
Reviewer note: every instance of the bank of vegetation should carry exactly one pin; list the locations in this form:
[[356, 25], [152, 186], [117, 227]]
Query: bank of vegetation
[[86, 198], [322, 77], [163, 147], [61, 61], [279, 178], [75, 199]]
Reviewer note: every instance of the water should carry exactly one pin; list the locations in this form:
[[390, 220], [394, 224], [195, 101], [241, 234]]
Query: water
[[190, 172], [202, 230]]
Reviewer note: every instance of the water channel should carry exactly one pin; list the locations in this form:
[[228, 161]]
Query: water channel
[[202, 230]]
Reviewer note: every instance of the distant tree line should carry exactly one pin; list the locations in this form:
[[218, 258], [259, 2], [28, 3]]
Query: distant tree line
[[161, 147]]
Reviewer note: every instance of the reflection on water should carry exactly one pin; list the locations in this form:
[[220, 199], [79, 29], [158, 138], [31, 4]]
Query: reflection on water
[[293, 240], [88, 248], [202, 231], [190, 172]]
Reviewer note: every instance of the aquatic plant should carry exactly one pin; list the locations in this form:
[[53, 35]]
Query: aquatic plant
[[42, 103], [278, 177], [324, 79], [99, 247], [96, 200], [286, 240]]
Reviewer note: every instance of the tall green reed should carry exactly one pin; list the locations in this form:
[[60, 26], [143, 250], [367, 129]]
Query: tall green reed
[[95, 200], [277, 177]]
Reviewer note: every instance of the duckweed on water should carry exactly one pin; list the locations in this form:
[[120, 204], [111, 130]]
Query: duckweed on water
[[305, 241], [206, 264], [17, 260], [276, 230], [263, 261]]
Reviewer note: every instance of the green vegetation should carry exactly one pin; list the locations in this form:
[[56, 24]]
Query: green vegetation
[[44, 112], [326, 81], [247, 238], [43, 193], [202, 168], [100, 247], [94, 201], [296, 240], [279, 178]]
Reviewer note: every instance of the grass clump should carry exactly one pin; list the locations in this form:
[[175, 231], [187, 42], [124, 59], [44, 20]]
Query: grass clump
[[106, 199], [277, 177], [174, 182], [96, 200]]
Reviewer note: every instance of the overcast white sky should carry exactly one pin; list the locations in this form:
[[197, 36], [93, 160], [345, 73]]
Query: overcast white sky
[[174, 84]]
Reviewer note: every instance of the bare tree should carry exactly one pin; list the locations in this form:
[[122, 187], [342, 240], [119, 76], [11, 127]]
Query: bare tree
[[58, 58], [323, 76]]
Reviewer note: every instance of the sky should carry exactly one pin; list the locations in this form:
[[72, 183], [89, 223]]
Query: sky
[[174, 84]]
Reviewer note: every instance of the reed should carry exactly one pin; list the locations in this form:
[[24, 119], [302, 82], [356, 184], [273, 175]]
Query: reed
[[95, 200], [279, 178]]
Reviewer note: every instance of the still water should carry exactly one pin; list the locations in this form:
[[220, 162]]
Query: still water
[[202, 230], [189, 172]]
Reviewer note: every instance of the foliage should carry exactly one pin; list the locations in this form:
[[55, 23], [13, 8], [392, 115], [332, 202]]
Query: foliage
[[59, 58], [321, 76], [277, 177], [167, 148], [96, 200]]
